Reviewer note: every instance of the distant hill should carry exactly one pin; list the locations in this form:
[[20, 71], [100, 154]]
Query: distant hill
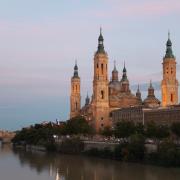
[[145, 86], [156, 85]]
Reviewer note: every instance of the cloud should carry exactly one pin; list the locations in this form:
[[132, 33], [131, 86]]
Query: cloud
[[153, 8]]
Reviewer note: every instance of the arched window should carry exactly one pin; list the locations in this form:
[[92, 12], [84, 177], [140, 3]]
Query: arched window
[[171, 70], [102, 94], [172, 98], [102, 68]]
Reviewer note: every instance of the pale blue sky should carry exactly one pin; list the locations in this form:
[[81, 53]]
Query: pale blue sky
[[40, 40]]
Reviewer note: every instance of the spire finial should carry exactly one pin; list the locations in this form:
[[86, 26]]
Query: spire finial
[[150, 84], [87, 99], [169, 34], [138, 93], [124, 69], [100, 43], [75, 69], [114, 64], [169, 52]]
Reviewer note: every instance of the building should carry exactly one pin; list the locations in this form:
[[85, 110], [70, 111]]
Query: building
[[161, 116], [112, 99], [169, 84], [75, 101]]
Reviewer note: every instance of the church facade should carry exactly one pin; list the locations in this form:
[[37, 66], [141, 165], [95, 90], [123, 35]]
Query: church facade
[[110, 95]]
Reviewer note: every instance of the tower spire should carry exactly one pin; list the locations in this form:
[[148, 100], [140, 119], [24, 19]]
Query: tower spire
[[75, 70], [151, 90], [169, 52], [87, 100], [100, 43], [124, 69], [114, 73], [124, 77], [138, 93]]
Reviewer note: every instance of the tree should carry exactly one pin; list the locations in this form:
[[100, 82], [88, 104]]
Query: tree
[[78, 125], [157, 131], [175, 128], [151, 130], [167, 153], [136, 147], [124, 129], [107, 131], [162, 132], [139, 128]]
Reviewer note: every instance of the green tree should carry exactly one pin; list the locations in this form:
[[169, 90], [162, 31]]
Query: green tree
[[162, 132], [78, 125], [124, 129], [136, 147], [151, 130], [139, 128], [167, 153], [107, 131], [175, 128]]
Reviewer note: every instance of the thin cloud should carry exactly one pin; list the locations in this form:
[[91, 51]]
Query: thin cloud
[[140, 9]]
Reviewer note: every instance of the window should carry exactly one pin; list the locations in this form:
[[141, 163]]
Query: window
[[102, 118], [102, 94], [171, 70], [76, 105], [97, 66], [102, 125], [172, 98], [110, 114], [102, 68], [76, 87]]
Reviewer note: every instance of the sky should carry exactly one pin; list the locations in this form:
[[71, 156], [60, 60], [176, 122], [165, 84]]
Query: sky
[[40, 40]]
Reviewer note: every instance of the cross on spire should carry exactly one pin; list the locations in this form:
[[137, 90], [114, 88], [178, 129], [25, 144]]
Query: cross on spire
[[114, 64], [169, 34]]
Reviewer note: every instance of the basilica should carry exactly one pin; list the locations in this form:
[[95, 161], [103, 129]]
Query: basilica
[[113, 95]]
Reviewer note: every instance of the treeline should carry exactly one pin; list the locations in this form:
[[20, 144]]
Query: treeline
[[134, 137], [125, 129], [44, 134], [131, 137], [134, 150]]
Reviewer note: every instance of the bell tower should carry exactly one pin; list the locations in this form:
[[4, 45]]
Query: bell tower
[[169, 84], [100, 87], [75, 99]]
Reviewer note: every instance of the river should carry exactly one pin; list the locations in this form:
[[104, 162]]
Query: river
[[21, 165]]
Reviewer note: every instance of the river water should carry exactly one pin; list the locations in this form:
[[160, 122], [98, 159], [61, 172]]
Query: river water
[[21, 165]]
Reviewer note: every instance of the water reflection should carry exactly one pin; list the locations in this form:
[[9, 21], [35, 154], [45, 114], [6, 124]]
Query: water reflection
[[68, 167]]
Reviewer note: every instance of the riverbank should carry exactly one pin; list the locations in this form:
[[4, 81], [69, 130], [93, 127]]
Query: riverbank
[[126, 142], [50, 166], [165, 154]]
